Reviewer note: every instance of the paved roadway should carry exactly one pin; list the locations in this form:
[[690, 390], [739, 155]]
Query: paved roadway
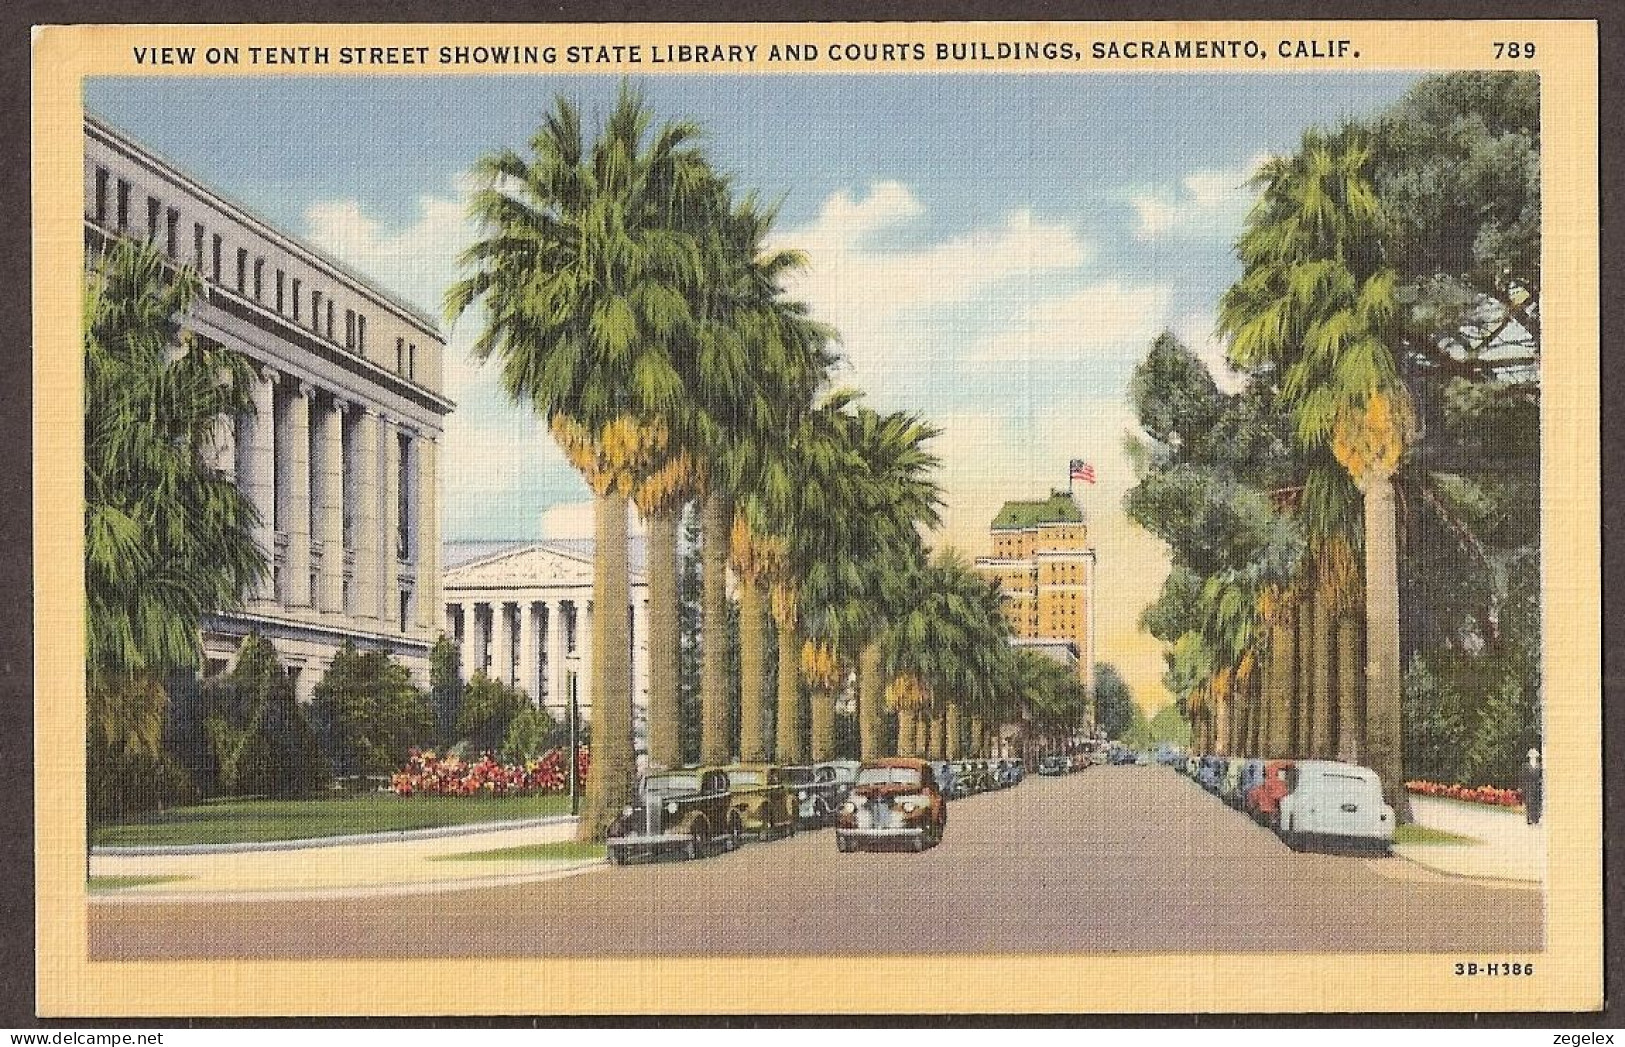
[[1115, 859]]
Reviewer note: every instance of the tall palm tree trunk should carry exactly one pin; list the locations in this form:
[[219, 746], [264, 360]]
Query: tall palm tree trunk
[[1351, 746], [938, 747], [871, 704], [906, 736], [1382, 686], [1320, 725], [609, 777], [978, 736], [1279, 688], [716, 523], [753, 746], [791, 747], [956, 739], [823, 725], [665, 638], [1302, 703], [1221, 724]]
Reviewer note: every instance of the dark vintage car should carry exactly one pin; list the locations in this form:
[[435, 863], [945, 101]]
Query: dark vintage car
[[1054, 765], [762, 799], [819, 791], [685, 812], [896, 802]]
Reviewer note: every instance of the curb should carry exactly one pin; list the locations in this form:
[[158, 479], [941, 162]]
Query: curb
[[396, 836], [1494, 881], [318, 894]]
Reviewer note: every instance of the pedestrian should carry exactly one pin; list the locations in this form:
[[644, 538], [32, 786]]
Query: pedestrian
[[1532, 793]]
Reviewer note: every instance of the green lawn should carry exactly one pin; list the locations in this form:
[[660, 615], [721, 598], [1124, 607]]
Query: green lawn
[[114, 883], [567, 850], [254, 821], [1414, 833]]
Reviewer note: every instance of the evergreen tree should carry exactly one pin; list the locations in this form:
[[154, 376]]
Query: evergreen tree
[[372, 713]]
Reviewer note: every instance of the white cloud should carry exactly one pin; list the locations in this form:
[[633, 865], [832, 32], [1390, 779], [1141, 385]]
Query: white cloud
[[1210, 201], [575, 520], [1104, 316]]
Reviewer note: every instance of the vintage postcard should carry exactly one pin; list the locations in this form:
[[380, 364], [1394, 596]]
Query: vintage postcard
[[817, 518]]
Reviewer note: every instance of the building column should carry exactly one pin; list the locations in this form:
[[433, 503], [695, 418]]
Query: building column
[[365, 597], [475, 631], [555, 655], [502, 649], [426, 477], [259, 472], [296, 572], [332, 508], [389, 581], [527, 651]]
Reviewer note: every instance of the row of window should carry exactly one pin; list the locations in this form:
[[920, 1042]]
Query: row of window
[[164, 226]]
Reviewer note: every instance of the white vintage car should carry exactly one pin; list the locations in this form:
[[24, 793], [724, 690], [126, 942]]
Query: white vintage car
[[1334, 803]]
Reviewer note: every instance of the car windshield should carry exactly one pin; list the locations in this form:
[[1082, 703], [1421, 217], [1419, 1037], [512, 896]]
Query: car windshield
[[672, 783], [737, 778], [888, 776]]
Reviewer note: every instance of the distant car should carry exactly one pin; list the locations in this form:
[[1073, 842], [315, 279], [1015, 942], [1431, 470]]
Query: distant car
[[1123, 756], [1252, 775], [1054, 765], [686, 811], [1018, 767], [764, 803], [979, 776], [896, 801], [819, 791], [1230, 779], [1081, 761], [1208, 771], [1263, 801], [1192, 765], [1004, 774], [943, 771], [1333, 802]]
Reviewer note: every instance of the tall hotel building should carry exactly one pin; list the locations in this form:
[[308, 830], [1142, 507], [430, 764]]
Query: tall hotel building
[[1046, 574], [340, 454]]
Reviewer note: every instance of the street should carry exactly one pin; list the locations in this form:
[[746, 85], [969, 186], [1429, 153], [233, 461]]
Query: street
[[1112, 859]]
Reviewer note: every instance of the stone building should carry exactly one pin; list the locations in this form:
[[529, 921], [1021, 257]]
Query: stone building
[[1046, 574], [340, 455], [521, 613]]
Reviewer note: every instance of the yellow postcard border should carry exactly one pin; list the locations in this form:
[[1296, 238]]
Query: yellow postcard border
[[1569, 971]]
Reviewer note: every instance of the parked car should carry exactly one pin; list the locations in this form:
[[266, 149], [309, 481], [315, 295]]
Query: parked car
[[1207, 772], [1263, 800], [1335, 802], [1230, 779], [896, 801], [1054, 765], [1192, 764], [1004, 773], [685, 811], [943, 772], [760, 796], [1252, 775], [1080, 761], [1122, 756], [1018, 767], [979, 777], [819, 790]]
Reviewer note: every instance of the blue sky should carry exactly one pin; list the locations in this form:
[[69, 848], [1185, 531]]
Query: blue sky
[[997, 250]]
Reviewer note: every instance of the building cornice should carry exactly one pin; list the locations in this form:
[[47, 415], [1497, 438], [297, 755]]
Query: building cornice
[[160, 165]]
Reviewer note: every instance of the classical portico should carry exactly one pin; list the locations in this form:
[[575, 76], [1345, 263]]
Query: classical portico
[[523, 615]]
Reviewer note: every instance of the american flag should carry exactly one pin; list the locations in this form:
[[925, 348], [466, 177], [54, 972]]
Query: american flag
[[1082, 470]]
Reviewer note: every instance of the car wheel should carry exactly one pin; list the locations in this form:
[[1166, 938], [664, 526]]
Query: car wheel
[[736, 833], [820, 816], [617, 856], [695, 847], [842, 844]]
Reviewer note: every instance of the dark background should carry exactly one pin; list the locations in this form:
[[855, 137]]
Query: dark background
[[16, 531]]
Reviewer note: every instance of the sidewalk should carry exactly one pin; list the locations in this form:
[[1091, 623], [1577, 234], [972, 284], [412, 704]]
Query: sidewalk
[[1509, 849], [387, 864]]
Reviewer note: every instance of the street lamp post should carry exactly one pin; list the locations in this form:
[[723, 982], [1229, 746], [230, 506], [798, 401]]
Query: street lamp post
[[575, 750]]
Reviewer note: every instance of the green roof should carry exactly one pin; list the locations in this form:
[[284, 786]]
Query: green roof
[[1057, 508]]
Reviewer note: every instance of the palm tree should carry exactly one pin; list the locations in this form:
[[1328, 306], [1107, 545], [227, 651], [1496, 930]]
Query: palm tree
[[1316, 302], [760, 358], [584, 272], [168, 536]]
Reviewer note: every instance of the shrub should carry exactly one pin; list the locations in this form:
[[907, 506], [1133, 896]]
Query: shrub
[[488, 707], [371, 714]]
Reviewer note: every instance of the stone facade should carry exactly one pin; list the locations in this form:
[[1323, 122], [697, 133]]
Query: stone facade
[[522, 614], [1046, 574], [341, 453]]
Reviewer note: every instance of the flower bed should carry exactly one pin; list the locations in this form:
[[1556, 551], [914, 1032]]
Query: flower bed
[[427, 774], [1484, 794]]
